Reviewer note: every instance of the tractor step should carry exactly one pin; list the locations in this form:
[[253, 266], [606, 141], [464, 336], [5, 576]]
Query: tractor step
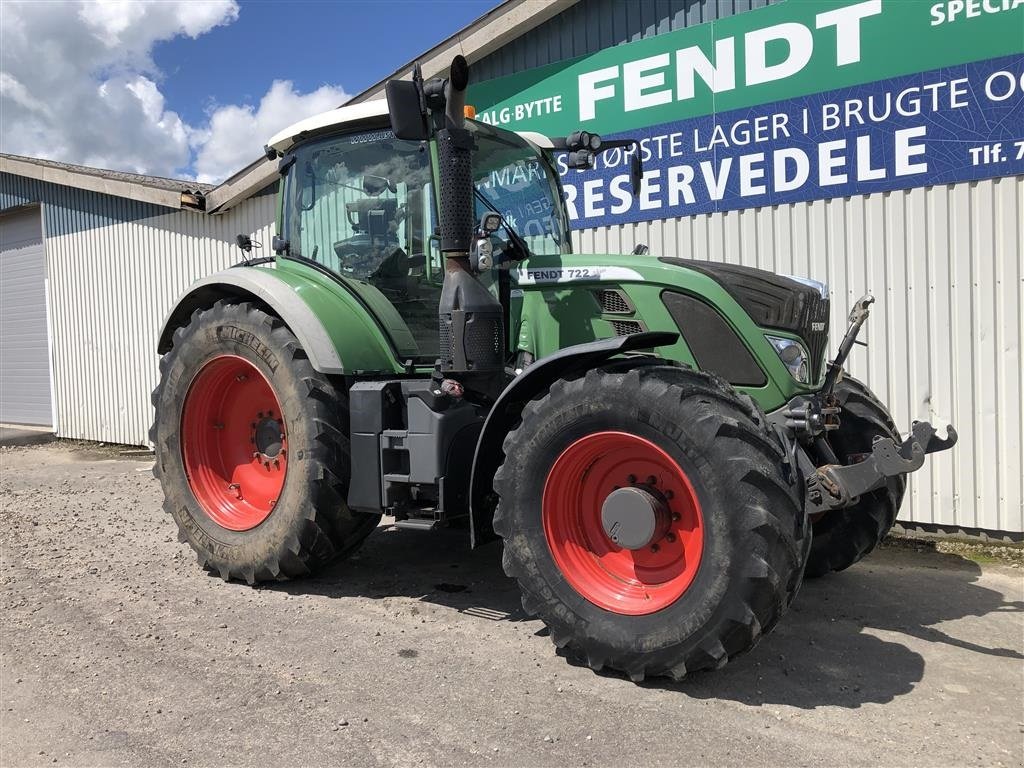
[[417, 524]]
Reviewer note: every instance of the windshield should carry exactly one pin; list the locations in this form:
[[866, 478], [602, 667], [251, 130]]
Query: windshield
[[513, 178]]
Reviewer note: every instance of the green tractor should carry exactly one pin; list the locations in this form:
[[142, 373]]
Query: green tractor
[[659, 443]]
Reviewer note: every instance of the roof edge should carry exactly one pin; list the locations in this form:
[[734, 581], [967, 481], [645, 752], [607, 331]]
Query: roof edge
[[68, 177], [241, 186], [497, 27]]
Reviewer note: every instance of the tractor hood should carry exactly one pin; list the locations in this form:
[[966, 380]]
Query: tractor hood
[[754, 302], [794, 304]]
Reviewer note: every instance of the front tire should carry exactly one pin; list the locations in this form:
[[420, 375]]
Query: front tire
[[252, 448], [843, 537], [726, 554]]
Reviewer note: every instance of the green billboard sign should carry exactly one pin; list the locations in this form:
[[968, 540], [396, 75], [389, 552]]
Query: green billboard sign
[[791, 49]]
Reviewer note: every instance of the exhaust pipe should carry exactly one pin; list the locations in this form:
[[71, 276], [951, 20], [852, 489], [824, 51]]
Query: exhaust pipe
[[472, 333], [455, 92]]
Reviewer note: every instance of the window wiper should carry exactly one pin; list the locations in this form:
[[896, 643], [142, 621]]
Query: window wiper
[[514, 236]]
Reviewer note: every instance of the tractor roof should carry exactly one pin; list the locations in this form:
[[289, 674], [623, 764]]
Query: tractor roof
[[367, 113], [351, 114]]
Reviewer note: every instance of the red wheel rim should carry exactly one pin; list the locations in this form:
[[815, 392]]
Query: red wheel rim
[[625, 581], [233, 443]]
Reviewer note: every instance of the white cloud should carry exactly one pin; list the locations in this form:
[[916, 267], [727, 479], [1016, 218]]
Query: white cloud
[[236, 134], [78, 84]]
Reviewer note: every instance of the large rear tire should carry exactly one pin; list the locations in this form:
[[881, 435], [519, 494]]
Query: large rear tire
[[845, 536], [252, 448], [724, 552]]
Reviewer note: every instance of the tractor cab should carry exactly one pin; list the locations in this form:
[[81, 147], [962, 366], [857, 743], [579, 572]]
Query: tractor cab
[[361, 203]]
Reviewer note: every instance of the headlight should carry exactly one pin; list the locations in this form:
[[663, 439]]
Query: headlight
[[793, 356]]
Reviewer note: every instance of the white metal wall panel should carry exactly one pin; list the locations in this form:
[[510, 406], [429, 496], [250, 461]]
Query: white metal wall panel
[[944, 338], [111, 287], [24, 352]]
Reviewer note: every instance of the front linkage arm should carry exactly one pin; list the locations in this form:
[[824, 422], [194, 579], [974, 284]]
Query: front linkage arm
[[809, 418], [834, 486]]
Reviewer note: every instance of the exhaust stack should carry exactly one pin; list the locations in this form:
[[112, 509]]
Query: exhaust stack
[[472, 333]]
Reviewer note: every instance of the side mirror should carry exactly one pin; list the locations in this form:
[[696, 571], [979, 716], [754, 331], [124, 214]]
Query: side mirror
[[636, 171], [244, 243], [405, 107]]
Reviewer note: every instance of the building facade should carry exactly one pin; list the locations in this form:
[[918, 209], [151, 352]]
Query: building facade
[[942, 252]]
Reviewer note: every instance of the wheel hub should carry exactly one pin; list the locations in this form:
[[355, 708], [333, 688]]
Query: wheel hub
[[634, 518], [233, 443], [268, 436], [623, 522]]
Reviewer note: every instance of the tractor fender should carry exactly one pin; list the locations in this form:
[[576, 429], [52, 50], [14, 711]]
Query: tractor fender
[[264, 286], [564, 363]]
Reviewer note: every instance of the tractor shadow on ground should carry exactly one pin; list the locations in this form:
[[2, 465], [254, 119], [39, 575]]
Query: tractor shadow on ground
[[437, 567], [839, 644]]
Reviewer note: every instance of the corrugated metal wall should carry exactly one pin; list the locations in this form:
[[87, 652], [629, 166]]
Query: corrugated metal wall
[[945, 264], [115, 268]]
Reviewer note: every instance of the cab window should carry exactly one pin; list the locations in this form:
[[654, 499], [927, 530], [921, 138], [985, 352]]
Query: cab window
[[362, 205]]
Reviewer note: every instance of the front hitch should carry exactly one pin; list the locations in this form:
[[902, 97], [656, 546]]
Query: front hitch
[[834, 486]]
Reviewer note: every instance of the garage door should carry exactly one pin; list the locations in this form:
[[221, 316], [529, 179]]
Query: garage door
[[24, 355]]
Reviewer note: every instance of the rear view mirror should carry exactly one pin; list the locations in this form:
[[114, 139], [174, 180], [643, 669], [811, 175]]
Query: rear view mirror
[[377, 185], [404, 107]]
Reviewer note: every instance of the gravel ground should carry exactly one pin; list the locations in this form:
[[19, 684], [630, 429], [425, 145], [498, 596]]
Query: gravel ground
[[118, 650]]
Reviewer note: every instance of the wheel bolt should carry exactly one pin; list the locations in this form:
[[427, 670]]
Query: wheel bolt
[[676, 517], [655, 547], [652, 480], [631, 479], [670, 537], [669, 494]]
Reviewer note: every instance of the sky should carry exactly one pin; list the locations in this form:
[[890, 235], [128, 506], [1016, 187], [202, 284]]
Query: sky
[[194, 88]]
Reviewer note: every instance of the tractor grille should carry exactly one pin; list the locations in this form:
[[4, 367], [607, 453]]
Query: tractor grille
[[613, 302], [813, 329], [626, 327]]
